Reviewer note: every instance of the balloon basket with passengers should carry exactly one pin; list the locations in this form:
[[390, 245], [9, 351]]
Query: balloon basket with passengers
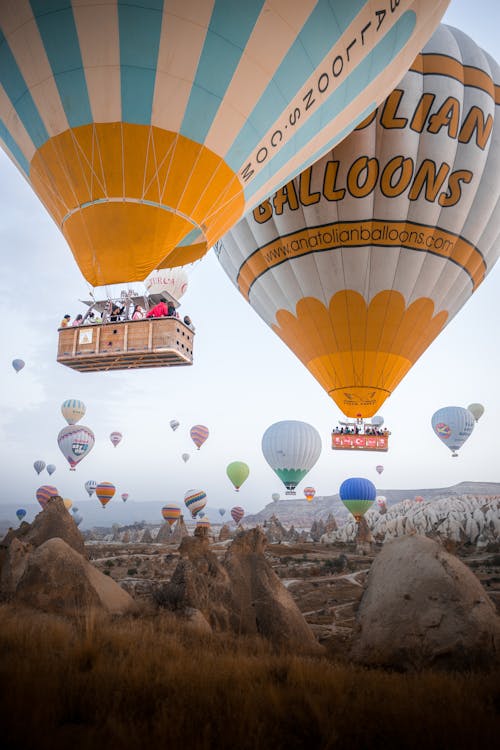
[[361, 435], [115, 334]]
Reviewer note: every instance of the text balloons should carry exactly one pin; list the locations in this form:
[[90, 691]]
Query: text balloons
[[360, 262], [195, 500], [116, 438], [237, 513], [44, 493], [18, 364], [199, 433], [73, 410], [291, 449], [90, 486], [453, 425], [39, 466], [171, 513], [155, 126], [105, 492], [238, 472], [358, 495], [75, 442]]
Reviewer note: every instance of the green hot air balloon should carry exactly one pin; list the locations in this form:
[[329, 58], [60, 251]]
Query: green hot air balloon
[[237, 472]]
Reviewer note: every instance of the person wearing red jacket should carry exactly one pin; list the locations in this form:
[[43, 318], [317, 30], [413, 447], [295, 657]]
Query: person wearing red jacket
[[158, 311]]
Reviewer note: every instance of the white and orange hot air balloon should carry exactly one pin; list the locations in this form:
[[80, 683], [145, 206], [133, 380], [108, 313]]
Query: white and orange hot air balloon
[[360, 262]]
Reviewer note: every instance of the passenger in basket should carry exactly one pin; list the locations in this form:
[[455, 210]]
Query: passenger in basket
[[116, 312], [78, 320], [65, 321], [139, 313], [171, 310], [158, 311], [188, 323]]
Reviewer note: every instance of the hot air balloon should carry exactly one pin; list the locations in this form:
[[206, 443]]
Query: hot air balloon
[[195, 500], [116, 437], [18, 364], [361, 261], [379, 469], [39, 466], [222, 511], [171, 513], [171, 280], [174, 424], [291, 449], [73, 410], [275, 497], [77, 518], [124, 496], [105, 491], [377, 420], [381, 501], [199, 433], [185, 457], [477, 411], [419, 499], [90, 486], [20, 513], [453, 425], [237, 472], [237, 513], [74, 509], [146, 147], [75, 442], [358, 495], [203, 523], [309, 493], [67, 503], [51, 468], [44, 493]]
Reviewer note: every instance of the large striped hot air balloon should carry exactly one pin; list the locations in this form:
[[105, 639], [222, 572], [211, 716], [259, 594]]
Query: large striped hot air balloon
[[237, 513], [147, 129], [171, 513], [105, 491], [203, 523], [195, 500], [291, 449], [73, 410], [44, 493], [453, 425], [358, 495], [75, 442], [361, 261], [199, 433]]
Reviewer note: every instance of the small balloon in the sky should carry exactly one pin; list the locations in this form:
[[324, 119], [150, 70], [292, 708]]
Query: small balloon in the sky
[[309, 493], [222, 511], [51, 468], [116, 437], [18, 364], [379, 469], [174, 424], [185, 457], [199, 433], [73, 410], [124, 496], [477, 411], [74, 509], [237, 513], [275, 497], [378, 420], [39, 466], [90, 486], [20, 513]]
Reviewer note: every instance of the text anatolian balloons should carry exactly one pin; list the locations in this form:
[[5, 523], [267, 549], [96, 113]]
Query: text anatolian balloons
[[148, 129], [453, 425], [39, 466], [291, 449], [361, 261], [75, 442], [73, 410]]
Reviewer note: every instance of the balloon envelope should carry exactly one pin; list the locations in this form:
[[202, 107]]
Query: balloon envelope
[[156, 125], [477, 411], [39, 466], [360, 262], [171, 280], [174, 423], [237, 513], [73, 410], [199, 433], [222, 511], [379, 469], [105, 491], [453, 425], [44, 493], [124, 496], [291, 449], [185, 457], [18, 364], [195, 500], [171, 513], [116, 437], [77, 519], [20, 513], [75, 442], [90, 486], [275, 496], [358, 495], [309, 493], [237, 472], [51, 468], [377, 420]]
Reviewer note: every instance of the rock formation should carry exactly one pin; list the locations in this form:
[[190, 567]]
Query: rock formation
[[364, 538], [274, 530], [146, 537], [423, 607], [164, 534], [180, 531], [317, 530], [330, 524], [13, 565], [53, 521], [224, 533]]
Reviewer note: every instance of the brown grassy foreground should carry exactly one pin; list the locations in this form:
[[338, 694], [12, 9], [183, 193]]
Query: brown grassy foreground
[[150, 683]]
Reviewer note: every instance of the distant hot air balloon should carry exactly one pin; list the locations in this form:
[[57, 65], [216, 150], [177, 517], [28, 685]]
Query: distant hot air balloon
[[309, 493], [237, 513], [155, 126], [195, 500], [18, 364], [360, 262], [203, 523], [174, 424], [377, 420], [275, 497], [291, 449], [199, 434], [237, 472], [222, 511], [75, 442], [39, 466], [116, 437], [201, 514], [419, 499], [171, 513], [185, 457], [477, 411], [381, 501], [105, 491], [358, 495], [74, 509], [171, 280], [77, 518], [73, 410], [67, 503], [124, 496], [20, 513], [44, 493], [453, 425], [379, 469], [90, 486], [51, 468]]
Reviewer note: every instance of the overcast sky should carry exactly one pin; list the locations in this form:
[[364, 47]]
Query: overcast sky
[[243, 378]]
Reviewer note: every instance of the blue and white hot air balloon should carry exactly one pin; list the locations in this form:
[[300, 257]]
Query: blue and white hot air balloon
[[453, 425]]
